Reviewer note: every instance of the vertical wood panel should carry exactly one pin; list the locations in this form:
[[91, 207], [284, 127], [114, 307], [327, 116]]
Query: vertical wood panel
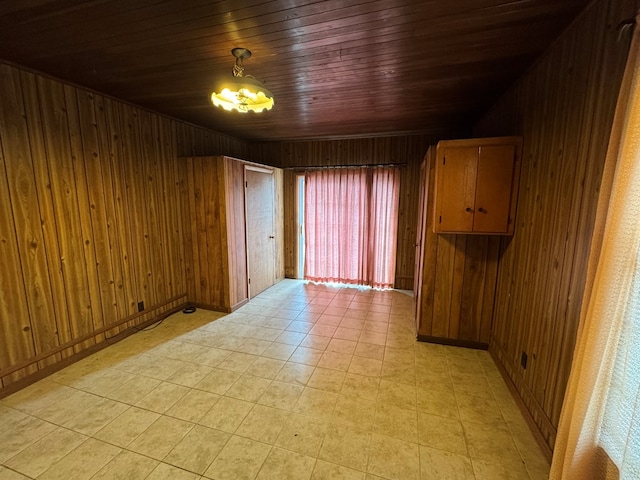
[[14, 312], [108, 241], [98, 225], [127, 282], [408, 202], [445, 261], [192, 191], [84, 216], [162, 170], [152, 191], [213, 193], [201, 195], [489, 293], [563, 107], [23, 197], [69, 230], [133, 169], [456, 276], [544, 340], [473, 287], [428, 253], [236, 235], [47, 211], [290, 222], [278, 177], [175, 202]]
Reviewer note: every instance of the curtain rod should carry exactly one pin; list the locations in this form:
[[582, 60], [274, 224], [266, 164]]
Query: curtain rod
[[326, 167]]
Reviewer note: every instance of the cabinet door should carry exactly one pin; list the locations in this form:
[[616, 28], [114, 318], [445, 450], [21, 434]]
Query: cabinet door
[[456, 189], [493, 192]]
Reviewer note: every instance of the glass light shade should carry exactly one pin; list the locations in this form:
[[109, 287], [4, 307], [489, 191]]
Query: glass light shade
[[243, 94]]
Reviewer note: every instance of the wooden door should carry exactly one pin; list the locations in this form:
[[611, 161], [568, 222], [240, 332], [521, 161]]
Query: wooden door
[[259, 204], [493, 193], [456, 174]]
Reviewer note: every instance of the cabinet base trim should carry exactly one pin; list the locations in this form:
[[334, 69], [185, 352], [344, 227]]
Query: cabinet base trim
[[453, 342], [218, 308], [213, 308]]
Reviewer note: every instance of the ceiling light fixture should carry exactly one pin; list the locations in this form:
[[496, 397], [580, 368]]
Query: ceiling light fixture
[[240, 92]]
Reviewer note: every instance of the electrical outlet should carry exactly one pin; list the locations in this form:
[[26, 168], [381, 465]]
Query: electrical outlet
[[140, 306], [523, 360]]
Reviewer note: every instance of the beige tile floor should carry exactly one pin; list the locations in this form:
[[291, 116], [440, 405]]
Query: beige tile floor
[[304, 382]]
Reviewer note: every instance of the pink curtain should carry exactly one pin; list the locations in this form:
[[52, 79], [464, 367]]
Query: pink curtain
[[351, 219]]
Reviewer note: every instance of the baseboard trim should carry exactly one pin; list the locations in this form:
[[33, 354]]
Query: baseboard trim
[[48, 370], [239, 304], [88, 336], [453, 342], [544, 446]]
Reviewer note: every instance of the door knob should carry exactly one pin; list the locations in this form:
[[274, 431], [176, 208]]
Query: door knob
[[468, 209], [482, 210]]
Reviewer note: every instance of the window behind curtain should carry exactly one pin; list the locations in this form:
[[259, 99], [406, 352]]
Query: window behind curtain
[[620, 433], [351, 219]]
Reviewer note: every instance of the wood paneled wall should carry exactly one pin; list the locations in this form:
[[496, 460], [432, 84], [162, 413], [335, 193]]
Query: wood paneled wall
[[407, 151], [278, 177], [291, 234], [563, 107], [90, 217], [208, 282]]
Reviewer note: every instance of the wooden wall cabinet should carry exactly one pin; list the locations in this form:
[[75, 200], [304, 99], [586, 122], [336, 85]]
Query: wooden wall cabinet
[[477, 185], [236, 230]]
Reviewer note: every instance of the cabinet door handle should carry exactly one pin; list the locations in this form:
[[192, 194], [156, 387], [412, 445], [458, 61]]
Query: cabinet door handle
[[482, 210], [271, 236], [468, 209]]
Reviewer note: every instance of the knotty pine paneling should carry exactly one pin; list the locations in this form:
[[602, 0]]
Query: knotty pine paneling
[[406, 151], [563, 107], [206, 197], [92, 217], [236, 239]]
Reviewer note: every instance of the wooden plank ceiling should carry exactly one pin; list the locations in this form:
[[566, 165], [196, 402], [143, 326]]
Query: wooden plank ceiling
[[336, 68]]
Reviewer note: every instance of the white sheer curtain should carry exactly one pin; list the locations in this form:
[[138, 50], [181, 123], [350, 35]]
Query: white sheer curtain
[[599, 433]]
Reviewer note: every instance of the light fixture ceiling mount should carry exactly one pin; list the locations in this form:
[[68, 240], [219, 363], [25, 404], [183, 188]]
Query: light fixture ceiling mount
[[240, 92]]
